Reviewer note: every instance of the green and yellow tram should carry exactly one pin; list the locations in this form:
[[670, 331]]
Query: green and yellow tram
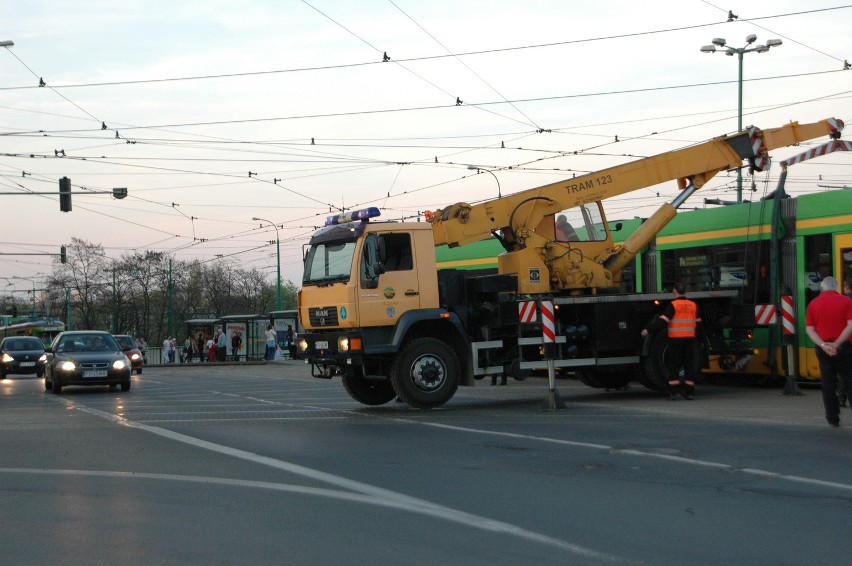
[[44, 328], [731, 248]]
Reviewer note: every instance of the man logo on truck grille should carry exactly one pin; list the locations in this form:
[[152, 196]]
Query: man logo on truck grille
[[535, 275]]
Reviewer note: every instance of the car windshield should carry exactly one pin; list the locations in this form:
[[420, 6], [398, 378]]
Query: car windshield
[[87, 343], [23, 344], [126, 342]]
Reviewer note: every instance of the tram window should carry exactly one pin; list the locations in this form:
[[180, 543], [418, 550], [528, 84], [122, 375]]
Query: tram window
[[846, 257], [817, 263], [739, 266]]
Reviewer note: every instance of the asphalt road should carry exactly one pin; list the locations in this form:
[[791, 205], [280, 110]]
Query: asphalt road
[[262, 464]]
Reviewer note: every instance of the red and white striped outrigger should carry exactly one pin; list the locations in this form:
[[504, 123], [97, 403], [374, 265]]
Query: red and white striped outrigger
[[818, 151]]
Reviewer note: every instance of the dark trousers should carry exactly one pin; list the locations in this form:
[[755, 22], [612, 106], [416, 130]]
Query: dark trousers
[[833, 369], [682, 353]]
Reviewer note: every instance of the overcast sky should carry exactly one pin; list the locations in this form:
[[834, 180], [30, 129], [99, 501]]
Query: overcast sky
[[212, 113]]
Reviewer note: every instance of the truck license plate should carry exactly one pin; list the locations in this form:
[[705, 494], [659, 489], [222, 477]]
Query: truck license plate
[[95, 373], [321, 345]]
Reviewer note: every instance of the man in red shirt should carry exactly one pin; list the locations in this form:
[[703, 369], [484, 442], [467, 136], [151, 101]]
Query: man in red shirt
[[828, 322]]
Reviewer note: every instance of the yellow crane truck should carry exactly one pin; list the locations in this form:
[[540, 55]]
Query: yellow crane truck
[[378, 312]]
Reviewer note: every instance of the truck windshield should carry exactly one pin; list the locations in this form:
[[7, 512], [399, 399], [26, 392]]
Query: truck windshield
[[328, 262]]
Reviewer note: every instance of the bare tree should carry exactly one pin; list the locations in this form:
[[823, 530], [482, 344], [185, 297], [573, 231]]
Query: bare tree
[[83, 275]]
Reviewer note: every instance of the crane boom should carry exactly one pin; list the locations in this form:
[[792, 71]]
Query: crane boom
[[462, 223], [524, 220]]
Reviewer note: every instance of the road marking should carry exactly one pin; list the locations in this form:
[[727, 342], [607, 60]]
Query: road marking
[[632, 452], [369, 494]]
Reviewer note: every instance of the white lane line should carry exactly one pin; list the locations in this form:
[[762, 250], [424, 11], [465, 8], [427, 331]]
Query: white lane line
[[632, 452], [374, 495]]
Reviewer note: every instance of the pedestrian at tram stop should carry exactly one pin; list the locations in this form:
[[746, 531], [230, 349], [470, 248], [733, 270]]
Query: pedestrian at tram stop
[[271, 337], [681, 320], [167, 345], [221, 346], [291, 341], [189, 348], [211, 347], [828, 322], [143, 347], [199, 347], [236, 342]]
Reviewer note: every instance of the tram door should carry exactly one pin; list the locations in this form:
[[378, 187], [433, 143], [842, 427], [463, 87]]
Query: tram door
[[843, 257], [841, 268]]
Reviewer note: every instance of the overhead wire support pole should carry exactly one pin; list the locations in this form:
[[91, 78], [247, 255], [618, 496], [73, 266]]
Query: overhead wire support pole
[[280, 302], [740, 51]]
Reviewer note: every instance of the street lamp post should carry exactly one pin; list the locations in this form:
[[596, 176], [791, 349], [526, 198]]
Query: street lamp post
[[480, 169], [278, 257], [739, 52]]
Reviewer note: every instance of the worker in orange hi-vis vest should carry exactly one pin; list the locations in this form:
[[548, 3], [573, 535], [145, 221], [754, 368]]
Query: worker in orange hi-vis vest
[[681, 319]]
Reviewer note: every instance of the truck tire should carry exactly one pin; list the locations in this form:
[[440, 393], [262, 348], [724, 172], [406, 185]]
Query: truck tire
[[367, 391], [426, 373], [655, 372], [610, 378]]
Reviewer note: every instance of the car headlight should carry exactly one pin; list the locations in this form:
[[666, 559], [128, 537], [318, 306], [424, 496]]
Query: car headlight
[[302, 345], [67, 366], [42, 358], [135, 357], [119, 364], [7, 358]]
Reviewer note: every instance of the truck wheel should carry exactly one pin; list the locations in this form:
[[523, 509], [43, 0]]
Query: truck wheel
[[514, 370], [610, 378], [367, 391], [426, 373], [654, 370]]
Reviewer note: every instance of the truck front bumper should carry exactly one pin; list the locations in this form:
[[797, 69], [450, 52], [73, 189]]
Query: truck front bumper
[[330, 352]]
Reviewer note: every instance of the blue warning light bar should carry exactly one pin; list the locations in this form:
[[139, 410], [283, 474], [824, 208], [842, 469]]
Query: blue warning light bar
[[351, 216]]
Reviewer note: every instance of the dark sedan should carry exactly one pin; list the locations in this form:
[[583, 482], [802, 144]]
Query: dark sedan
[[21, 354], [85, 357]]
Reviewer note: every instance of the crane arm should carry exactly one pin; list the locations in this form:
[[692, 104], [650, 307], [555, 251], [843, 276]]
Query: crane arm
[[462, 223]]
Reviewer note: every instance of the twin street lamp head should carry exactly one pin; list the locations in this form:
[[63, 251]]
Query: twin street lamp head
[[739, 52], [731, 51]]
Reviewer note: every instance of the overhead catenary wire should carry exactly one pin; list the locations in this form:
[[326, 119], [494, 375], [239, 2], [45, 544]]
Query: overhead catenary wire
[[441, 56], [389, 162]]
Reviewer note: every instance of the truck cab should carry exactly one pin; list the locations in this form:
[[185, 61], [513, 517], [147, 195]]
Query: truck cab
[[370, 289]]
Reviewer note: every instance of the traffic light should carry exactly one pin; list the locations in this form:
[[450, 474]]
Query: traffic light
[[63, 258], [65, 194]]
